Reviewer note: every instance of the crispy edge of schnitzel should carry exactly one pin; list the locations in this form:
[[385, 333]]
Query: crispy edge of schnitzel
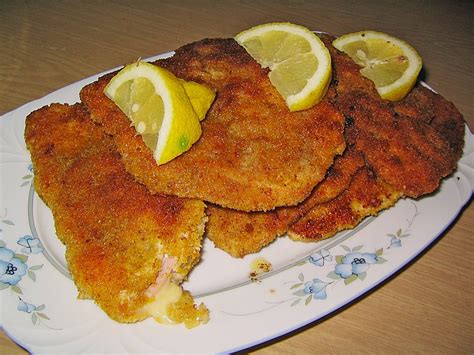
[[240, 233], [122, 243], [422, 104], [367, 195], [253, 154]]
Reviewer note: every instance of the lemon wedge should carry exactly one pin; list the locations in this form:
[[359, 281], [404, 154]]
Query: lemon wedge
[[391, 63], [201, 97], [299, 62], [158, 107]]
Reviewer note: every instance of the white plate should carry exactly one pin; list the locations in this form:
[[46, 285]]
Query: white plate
[[41, 313]]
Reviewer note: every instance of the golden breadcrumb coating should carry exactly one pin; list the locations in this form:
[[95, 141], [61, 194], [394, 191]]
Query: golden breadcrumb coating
[[366, 196]]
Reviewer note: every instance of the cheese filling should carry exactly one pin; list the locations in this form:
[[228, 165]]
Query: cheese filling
[[163, 292], [169, 293], [168, 303]]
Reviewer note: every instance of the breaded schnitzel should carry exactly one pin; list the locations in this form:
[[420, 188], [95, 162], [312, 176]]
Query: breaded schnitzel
[[253, 153], [409, 152], [240, 233], [126, 249]]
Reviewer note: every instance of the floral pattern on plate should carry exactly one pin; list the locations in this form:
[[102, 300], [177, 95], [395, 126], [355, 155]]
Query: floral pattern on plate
[[15, 269]]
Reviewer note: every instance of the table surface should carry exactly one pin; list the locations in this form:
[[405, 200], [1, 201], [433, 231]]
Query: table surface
[[428, 307]]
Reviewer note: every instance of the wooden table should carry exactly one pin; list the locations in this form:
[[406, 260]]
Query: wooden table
[[428, 307]]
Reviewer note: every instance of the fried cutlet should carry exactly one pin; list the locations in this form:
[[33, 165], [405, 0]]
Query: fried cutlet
[[253, 154], [406, 151], [240, 233], [126, 249]]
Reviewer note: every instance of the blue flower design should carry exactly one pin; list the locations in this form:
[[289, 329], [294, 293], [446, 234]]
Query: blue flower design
[[12, 269], [395, 242], [317, 288], [30, 167], [26, 307], [355, 264], [320, 257], [30, 244]]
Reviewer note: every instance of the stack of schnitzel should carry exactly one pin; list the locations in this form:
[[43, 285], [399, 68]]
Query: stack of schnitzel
[[132, 227], [393, 150], [254, 155]]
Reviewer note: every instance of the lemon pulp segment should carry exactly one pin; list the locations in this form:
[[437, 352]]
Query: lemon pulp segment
[[299, 62]]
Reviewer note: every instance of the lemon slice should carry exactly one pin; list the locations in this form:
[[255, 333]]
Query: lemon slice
[[391, 63], [158, 107], [299, 62], [201, 97]]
